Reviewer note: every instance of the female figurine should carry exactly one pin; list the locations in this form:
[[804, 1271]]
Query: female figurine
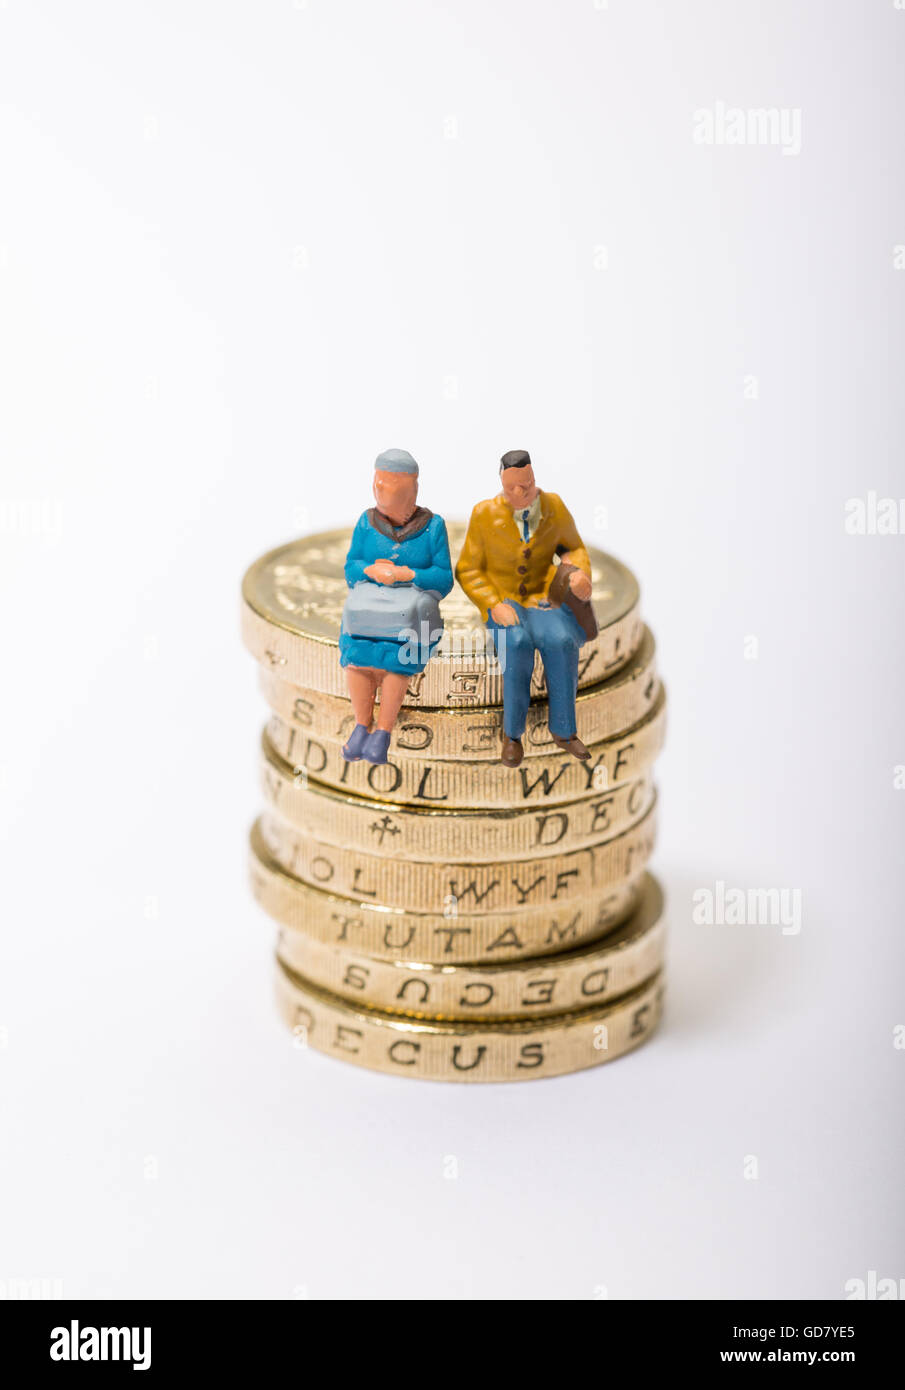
[[397, 570]]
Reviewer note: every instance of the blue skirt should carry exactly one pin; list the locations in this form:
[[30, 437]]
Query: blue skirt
[[405, 658]]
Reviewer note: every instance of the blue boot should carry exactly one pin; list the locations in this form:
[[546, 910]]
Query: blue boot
[[352, 750], [375, 748]]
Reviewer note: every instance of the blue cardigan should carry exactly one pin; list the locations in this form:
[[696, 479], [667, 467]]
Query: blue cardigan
[[426, 552]]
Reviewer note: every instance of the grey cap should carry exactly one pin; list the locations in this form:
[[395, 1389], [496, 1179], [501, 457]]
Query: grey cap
[[396, 461]]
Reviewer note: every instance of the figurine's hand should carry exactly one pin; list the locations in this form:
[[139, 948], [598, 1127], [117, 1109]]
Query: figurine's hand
[[402, 574], [504, 614], [382, 571], [580, 584]]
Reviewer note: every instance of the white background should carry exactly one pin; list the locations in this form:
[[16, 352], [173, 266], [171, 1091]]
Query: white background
[[244, 248]]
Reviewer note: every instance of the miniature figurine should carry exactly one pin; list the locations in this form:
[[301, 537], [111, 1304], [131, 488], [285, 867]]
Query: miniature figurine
[[397, 569], [528, 602]]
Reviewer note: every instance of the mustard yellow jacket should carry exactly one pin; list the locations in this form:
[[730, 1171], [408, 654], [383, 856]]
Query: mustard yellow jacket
[[497, 563]]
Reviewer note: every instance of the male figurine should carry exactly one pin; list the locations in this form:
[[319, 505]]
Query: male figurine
[[528, 602]]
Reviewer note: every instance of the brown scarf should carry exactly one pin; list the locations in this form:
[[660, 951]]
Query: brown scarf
[[416, 522]]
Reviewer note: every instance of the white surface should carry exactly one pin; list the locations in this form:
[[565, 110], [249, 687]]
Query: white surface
[[183, 387]]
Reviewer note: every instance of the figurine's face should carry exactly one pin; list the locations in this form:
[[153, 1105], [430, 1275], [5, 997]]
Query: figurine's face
[[396, 494], [519, 487]]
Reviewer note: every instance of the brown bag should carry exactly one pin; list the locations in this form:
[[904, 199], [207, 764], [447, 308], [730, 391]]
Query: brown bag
[[582, 608]]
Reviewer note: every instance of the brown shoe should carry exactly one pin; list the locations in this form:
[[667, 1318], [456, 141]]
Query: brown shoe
[[512, 753], [572, 745]]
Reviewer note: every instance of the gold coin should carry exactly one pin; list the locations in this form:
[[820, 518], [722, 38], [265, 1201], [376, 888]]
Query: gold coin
[[462, 888], [432, 833], [442, 938], [602, 711], [514, 1050], [555, 984], [428, 781], [292, 602]]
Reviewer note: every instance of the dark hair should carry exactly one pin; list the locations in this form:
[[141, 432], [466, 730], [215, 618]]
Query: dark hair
[[516, 458]]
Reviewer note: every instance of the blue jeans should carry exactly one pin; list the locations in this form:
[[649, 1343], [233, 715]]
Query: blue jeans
[[557, 635]]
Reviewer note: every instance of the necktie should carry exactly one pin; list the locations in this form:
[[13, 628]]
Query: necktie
[[525, 521]]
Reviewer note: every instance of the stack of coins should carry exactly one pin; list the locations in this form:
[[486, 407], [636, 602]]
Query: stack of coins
[[443, 916]]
